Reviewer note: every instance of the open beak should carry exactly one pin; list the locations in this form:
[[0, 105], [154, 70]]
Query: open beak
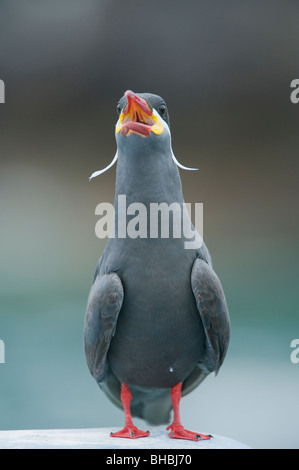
[[137, 117]]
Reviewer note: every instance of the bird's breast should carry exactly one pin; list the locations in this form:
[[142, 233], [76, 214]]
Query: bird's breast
[[159, 336]]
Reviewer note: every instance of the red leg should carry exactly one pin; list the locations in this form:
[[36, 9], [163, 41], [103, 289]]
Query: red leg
[[129, 431], [177, 430]]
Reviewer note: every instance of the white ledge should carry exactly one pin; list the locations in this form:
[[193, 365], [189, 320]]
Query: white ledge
[[99, 438]]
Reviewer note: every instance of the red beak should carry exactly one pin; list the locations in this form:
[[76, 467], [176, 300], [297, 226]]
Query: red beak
[[137, 115], [136, 103]]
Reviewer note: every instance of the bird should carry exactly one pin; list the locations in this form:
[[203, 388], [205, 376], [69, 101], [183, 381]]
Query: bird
[[157, 320]]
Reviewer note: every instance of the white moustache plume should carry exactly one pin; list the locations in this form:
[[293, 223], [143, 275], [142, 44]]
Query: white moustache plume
[[97, 173]]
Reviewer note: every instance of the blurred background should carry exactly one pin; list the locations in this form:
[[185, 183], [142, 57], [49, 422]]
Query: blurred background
[[224, 69]]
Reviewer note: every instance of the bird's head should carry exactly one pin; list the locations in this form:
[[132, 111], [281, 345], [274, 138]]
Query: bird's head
[[142, 116], [143, 125]]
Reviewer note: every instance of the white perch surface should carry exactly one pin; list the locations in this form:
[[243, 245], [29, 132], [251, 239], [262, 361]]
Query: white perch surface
[[99, 438]]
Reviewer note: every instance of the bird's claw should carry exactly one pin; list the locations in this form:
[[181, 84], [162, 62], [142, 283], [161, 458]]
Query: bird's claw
[[179, 432], [130, 432]]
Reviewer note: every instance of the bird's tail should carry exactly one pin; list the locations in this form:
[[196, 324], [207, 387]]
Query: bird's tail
[[153, 407]]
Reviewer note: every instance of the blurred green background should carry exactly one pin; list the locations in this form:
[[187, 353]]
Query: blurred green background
[[225, 70]]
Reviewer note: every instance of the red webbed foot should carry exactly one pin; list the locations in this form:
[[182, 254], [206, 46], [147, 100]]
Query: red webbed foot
[[130, 432], [179, 432]]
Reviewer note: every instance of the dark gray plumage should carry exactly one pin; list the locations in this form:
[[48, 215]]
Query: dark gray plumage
[[156, 314]]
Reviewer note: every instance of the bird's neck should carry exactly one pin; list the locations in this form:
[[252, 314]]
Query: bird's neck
[[150, 179], [149, 200]]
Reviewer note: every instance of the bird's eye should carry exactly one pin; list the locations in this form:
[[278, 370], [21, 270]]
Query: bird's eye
[[162, 109], [118, 109]]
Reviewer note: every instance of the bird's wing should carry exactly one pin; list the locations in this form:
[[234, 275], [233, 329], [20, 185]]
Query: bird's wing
[[213, 310], [103, 306]]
